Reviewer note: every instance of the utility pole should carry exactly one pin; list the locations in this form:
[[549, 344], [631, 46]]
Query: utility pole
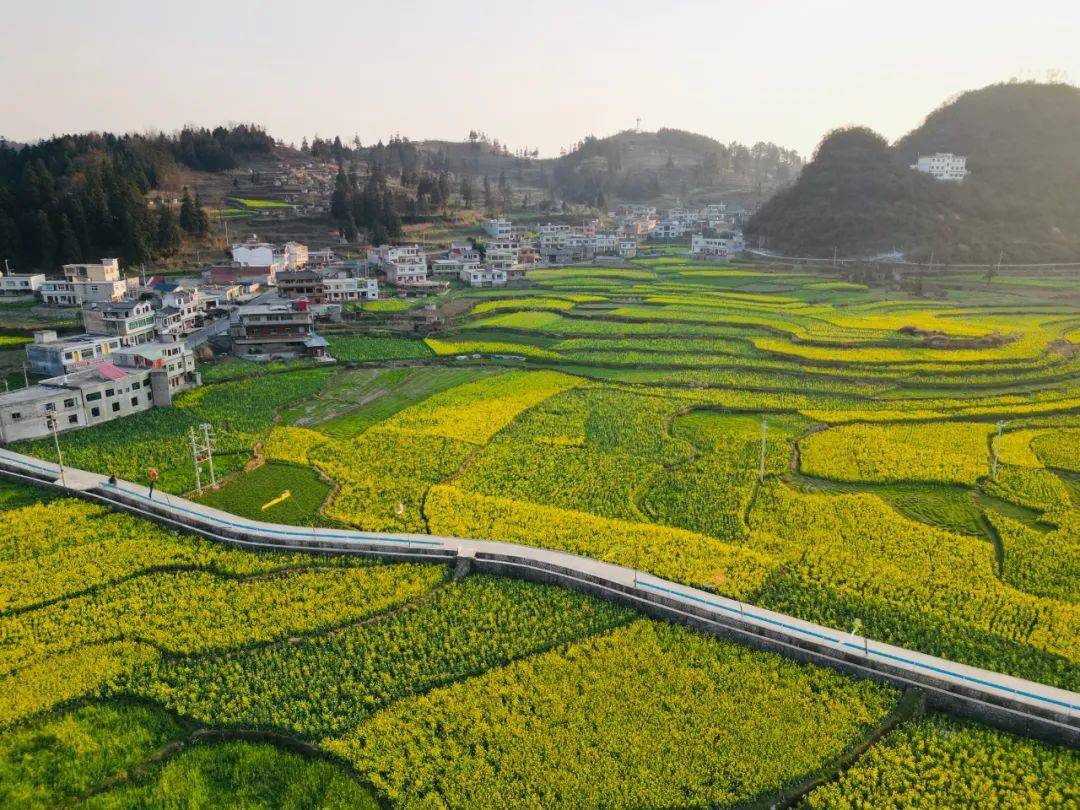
[[997, 450], [51, 420], [195, 459], [202, 450], [761, 473], [25, 378], [208, 446]]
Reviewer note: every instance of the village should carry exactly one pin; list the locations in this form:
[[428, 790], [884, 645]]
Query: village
[[142, 333]]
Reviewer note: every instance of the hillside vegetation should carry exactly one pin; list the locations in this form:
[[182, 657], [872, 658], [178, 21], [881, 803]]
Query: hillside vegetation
[[1020, 201], [670, 162]]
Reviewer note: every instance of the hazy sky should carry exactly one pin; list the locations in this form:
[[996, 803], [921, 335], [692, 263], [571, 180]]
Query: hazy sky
[[536, 74]]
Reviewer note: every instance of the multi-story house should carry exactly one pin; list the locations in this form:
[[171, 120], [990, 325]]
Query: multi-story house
[[93, 283], [267, 331], [131, 321], [402, 264], [943, 166], [483, 277], [53, 356], [20, 285], [498, 228], [143, 377], [723, 244]]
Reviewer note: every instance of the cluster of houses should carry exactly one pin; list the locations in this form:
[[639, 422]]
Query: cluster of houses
[[137, 347]]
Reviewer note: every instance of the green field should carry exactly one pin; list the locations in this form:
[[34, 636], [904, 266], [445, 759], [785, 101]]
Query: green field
[[793, 440], [249, 202], [250, 493]]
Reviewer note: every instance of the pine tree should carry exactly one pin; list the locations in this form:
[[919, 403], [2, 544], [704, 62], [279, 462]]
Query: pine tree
[[202, 227], [136, 249], [70, 252], [44, 241], [339, 201], [189, 218], [167, 237]]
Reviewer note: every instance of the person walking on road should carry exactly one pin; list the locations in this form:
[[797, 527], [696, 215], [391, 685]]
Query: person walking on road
[[153, 481]]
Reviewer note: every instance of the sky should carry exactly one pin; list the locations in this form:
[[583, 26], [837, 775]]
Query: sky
[[532, 74]]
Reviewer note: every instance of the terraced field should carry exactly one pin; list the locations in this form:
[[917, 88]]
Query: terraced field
[[796, 441]]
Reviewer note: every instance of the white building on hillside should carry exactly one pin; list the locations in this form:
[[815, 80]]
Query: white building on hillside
[[942, 166], [19, 285], [94, 283], [724, 244], [483, 277], [502, 254], [498, 228], [402, 264], [131, 321]]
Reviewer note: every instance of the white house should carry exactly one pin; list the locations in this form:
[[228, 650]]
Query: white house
[[52, 355], [668, 229], [498, 228], [483, 277], [628, 248], [94, 283], [339, 287], [402, 264], [131, 321], [254, 254], [502, 254], [724, 244], [942, 166], [18, 285], [140, 379]]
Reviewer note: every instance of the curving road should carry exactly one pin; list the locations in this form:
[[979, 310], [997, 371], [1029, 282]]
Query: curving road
[[1011, 703]]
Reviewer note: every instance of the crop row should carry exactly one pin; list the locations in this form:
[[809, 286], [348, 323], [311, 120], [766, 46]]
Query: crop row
[[648, 715]]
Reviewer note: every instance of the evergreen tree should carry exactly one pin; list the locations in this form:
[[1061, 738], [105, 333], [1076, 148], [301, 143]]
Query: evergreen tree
[[136, 248], [44, 240], [489, 198], [203, 219], [339, 200], [70, 251], [167, 237], [379, 234], [189, 217]]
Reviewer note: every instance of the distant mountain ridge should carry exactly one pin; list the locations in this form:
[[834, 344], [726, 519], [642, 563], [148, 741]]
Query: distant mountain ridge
[[1020, 201]]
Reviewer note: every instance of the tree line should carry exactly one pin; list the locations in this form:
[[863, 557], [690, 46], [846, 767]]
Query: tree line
[[80, 197]]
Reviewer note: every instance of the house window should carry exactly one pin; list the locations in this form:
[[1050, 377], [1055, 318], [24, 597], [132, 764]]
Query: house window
[[15, 416], [95, 412], [73, 419], [109, 392], [69, 403], [135, 386], [115, 407], [93, 397], [50, 407]]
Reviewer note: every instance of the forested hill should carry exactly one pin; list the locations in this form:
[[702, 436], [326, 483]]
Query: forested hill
[[671, 163], [80, 197], [1020, 201]]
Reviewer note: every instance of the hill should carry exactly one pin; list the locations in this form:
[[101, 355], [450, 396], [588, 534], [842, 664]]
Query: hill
[[1021, 199], [669, 164]]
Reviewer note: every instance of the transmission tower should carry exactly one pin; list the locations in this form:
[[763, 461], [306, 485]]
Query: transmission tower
[[202, 450]]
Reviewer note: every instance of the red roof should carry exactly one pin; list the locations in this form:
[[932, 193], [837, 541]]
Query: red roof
[[111, 371]]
